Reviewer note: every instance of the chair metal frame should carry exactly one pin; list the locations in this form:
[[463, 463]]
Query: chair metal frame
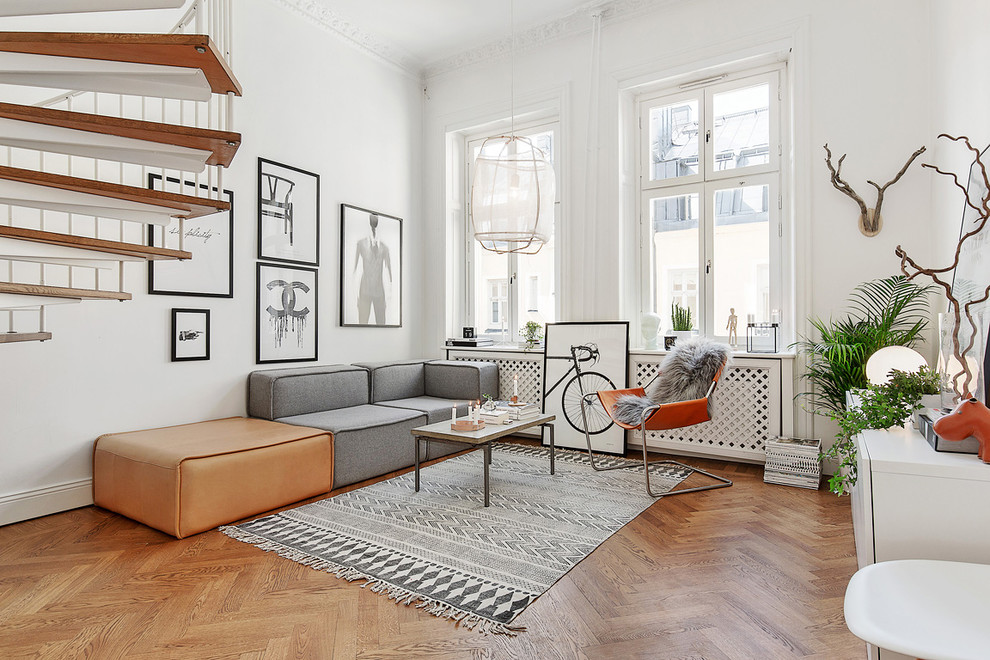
[[693, 407]]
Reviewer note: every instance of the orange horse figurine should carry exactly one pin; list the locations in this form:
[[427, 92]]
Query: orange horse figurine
[[969, 418]]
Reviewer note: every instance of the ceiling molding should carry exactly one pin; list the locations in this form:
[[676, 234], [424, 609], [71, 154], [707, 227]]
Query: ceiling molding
[[354, 36], [571, 24]]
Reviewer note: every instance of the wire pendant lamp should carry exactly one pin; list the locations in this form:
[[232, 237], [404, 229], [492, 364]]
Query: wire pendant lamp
[[514, 189], [512, 196]]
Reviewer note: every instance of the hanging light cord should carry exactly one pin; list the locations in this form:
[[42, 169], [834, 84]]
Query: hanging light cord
[[512, 69]]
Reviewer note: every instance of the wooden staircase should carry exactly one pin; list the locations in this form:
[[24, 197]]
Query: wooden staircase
[[174, 68]]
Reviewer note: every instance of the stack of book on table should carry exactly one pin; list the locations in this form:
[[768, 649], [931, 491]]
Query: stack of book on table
[[494, 416], [793, 462], [519, 412]]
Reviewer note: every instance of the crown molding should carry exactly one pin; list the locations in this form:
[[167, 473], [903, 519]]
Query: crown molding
[[574, 23], [354, 36]]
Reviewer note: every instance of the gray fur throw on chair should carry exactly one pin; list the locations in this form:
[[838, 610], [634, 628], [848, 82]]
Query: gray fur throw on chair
[[685, 374]]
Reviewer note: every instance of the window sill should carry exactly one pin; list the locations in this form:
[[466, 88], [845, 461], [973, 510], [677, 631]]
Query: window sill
[[739, 353]]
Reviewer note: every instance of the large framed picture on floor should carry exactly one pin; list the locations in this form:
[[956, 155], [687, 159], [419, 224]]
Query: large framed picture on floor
[[602, 352]]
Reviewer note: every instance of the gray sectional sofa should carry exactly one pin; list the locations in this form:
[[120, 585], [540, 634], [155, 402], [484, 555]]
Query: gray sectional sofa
[[371, 408]]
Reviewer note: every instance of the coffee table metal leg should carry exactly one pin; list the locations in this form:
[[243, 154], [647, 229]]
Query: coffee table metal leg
[[550, 427], [488, 460], [417, 463]]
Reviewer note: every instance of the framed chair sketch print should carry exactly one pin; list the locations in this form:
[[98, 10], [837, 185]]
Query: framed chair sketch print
[[288, 214]]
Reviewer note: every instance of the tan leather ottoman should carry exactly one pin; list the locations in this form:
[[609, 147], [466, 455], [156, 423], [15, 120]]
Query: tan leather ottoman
[[187, 479]]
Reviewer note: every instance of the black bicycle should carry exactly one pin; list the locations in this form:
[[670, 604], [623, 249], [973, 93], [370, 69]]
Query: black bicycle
[[580, 384]]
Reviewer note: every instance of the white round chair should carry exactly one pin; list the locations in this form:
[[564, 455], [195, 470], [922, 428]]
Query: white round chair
[[934, 610]]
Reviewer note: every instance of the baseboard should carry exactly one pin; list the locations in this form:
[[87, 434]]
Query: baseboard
[[44, 501]]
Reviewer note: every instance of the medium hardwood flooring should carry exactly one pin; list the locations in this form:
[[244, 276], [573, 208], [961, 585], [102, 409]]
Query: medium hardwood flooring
[[754, 571]]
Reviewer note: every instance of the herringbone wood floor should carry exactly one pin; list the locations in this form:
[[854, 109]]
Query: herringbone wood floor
[[749, 572]]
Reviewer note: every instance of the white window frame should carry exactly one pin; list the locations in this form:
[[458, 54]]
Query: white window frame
[[515, 288], [706, 183]]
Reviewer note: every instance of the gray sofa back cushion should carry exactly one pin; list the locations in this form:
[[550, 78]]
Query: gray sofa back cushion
[[278, 393], [461, 379], [395, 380]]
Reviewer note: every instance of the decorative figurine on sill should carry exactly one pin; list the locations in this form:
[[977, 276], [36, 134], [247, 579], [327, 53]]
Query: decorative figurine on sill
[[650, 326], [731, 327], [969, 418]]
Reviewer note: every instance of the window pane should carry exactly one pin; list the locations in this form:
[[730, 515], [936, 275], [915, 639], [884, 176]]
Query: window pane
[[674, 140], [535, 301], [742, 127], [742, 257], [674, 222]]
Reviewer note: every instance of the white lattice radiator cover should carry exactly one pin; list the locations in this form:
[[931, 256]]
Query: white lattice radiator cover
[[747, 412], [747, 402], [529, 368]]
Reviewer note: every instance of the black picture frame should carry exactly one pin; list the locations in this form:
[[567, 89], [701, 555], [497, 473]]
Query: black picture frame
[[560, 388], [190, 334], [287, 314], [210, 238], [370, 240], [288, 214]]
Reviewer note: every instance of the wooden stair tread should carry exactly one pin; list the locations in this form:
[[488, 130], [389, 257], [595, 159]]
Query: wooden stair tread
[[148, 252], [222, 144], [12, 337], [178, 50], [62, 292], [184, 205]]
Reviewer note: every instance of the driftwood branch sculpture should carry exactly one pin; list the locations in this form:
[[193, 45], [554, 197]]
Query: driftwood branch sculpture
[[870, 220], [962, 381]]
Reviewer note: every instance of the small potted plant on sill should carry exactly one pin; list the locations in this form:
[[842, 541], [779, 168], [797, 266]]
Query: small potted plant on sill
[[532, 333], [680, 322]]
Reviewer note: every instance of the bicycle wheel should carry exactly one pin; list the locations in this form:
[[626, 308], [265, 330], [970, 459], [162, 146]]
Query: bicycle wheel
[[591, 382]]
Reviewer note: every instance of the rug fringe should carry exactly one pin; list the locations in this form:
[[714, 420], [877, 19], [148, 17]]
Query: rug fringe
[[401, 596]]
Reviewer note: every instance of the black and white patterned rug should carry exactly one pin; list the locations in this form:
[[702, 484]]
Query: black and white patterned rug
[[443, 550]]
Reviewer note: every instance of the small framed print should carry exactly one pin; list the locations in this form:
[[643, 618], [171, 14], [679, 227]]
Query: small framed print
[[190, 334], [286, 314], [370, 268], [288, 214], [210, 238]]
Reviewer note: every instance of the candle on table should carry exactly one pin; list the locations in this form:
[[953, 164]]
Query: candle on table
[[453, 414], [515, 385]]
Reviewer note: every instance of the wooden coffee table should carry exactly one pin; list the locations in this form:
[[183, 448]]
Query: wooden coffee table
[[483, 438]]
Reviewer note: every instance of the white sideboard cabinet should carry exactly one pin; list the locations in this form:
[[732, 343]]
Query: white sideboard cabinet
[[911, 502]]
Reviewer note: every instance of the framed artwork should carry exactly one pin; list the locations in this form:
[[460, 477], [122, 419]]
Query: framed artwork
[[287, 314], [210, 238], [602, 352], [190, 334], [288, 214], [370, 268]]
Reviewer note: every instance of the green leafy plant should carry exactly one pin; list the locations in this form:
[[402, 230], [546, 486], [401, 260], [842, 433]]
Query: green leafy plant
[[680, 318], [880, 407], [532, 332], [916, 384], [884, 312]]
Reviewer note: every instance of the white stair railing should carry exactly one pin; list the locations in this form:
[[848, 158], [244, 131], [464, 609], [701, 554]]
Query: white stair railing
[[209, 17]]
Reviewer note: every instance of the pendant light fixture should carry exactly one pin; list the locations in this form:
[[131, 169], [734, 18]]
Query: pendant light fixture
[[513, 193]]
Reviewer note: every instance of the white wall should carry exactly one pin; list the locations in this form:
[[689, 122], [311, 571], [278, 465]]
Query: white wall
[[310, 101], [961, 96], [861, 83]]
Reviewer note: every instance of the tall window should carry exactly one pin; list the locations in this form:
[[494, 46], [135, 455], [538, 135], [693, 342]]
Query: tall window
[[525, 289], [710, 200]]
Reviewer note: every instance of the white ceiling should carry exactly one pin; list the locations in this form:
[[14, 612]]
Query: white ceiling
[[424, 31]]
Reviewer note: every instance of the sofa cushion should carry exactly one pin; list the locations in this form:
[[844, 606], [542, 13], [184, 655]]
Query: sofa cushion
[[277, 393], [368, 440], [395, 380], [436, 409], [461, 379]]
